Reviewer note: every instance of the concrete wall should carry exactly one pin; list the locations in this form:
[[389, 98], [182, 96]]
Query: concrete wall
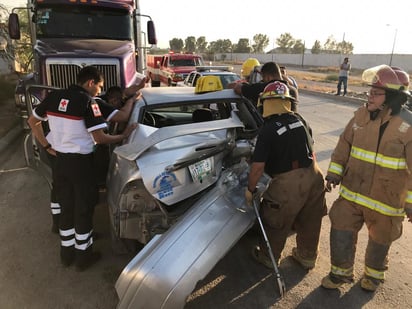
[[360, 61]]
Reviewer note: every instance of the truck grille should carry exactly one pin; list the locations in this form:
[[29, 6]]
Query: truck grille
[[63, 75]]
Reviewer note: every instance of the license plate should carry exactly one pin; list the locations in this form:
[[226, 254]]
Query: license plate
[[201, 169]]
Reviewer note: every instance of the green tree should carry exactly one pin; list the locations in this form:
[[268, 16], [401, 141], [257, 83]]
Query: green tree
[[285, 42], [330, 46], [345, 48], [242, 46], [220, 46], [316, 48], [190, 44], [20, 51], [261, 42], [298, 47], [226, 46], [201, 44], [176, 45]]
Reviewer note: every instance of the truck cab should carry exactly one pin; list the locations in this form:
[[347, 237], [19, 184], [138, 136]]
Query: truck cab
[[68, 35]]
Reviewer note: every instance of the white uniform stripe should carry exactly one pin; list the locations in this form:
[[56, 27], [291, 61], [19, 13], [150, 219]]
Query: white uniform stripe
[[97, 127], [55, 211], [281, 130], [85, 245], [81, 237], [55, 208], [68, 243], [66, 233], [295, 125]]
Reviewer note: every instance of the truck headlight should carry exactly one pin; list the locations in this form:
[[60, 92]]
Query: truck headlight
[[177, 77]]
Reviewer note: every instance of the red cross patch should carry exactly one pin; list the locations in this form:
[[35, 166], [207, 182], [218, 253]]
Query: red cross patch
[[96, 110], [63, 105]]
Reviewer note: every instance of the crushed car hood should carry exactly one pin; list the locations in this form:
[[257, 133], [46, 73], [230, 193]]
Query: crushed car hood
[[168, 268]]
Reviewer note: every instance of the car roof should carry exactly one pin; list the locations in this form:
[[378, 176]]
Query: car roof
[[216, 73], [159, 95]]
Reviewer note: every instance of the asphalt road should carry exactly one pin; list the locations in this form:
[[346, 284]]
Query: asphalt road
[[32, 277]]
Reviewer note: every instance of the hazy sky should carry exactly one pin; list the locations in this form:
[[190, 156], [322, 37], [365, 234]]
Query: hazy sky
[[370, 25]]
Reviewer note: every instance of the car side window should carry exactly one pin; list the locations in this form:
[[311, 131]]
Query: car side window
[[195, 79], [190, 78]]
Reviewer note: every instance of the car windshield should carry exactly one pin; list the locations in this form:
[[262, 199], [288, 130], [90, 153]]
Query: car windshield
[[190, 62], [181, 114], [61, 21], [227, 79], [164, 116]]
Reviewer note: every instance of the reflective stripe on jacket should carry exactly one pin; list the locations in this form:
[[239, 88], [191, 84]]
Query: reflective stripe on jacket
[[375, 172]]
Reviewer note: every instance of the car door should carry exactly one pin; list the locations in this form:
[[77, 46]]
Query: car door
[[36, 157]]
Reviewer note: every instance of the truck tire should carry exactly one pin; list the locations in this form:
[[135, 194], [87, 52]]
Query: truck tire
[[155, 83]]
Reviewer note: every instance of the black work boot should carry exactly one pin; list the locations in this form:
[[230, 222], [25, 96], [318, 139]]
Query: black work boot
[[67, 258], [88, 260]]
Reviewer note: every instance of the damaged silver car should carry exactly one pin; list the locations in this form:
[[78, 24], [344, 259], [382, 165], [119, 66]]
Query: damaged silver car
[[182, 145], [177, 186]]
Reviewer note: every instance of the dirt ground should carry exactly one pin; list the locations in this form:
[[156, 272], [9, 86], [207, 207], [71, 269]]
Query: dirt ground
[[8, 116]]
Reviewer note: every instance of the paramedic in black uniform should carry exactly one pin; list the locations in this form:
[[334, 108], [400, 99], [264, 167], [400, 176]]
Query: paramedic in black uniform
[[76, 123]]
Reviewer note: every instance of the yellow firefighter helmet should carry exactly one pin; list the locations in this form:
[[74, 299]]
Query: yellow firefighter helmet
[[248, 66]]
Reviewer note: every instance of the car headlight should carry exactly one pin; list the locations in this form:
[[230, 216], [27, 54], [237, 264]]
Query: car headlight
[[35, 100], [21, 100], [177, 77]]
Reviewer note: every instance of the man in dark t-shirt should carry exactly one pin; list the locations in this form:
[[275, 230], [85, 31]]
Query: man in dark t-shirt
[[295, 196], [270, 72]]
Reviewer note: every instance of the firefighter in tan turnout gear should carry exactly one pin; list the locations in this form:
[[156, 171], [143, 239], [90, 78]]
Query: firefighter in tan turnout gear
[[296, 193], [371, 162]]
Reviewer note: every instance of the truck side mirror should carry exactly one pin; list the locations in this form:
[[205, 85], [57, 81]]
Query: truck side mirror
[[14, 26], [151, 33]]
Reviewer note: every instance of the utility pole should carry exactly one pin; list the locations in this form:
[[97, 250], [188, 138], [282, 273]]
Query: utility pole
[[341, 48], [393, 46]]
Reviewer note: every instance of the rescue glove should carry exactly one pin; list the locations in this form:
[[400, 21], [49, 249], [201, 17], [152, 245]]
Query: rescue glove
[[332, 181], [249, 196]]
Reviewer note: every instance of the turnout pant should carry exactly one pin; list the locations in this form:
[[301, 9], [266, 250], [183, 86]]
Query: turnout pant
[[77, 191], [347, 219], [295, 198]]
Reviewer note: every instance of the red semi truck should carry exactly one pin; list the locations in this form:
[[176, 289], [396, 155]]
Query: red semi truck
[[67, 35], [171, 68]]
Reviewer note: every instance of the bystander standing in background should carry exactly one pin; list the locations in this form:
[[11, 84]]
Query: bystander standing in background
[[343, 76], [290, 80]]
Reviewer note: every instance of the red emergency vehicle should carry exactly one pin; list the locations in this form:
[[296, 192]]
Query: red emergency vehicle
[[171, 68]]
